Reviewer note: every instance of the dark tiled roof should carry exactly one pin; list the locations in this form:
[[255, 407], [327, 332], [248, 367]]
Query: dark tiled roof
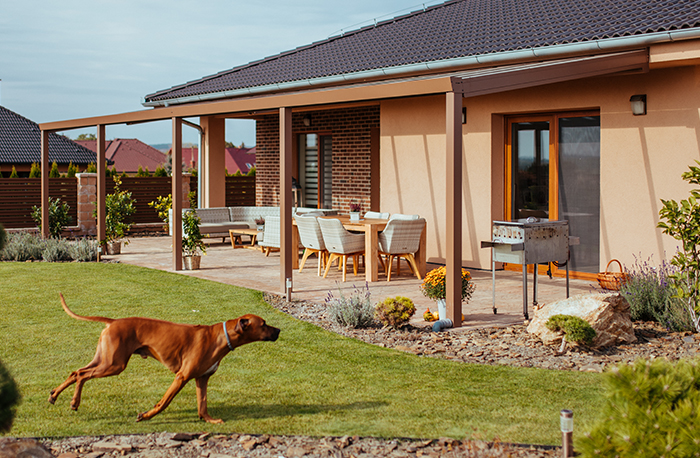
[[20, 143], [454, 29]]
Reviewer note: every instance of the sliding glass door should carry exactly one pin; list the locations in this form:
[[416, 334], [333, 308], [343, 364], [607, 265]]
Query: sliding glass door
[[316, 170]]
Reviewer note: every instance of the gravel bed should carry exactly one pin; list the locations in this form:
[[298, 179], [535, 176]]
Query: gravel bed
[[511, 346]]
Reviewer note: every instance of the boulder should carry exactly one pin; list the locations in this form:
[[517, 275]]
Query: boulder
[[607, 313]]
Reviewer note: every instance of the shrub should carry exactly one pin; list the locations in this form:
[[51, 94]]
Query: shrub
[[58, 216], [192, 244], [652, 408], [355, 311], [14, 173], [652, 297], [57, 250], [251, 172], [162, 205], [576, 329], [72, 170], [9, 399], [54, 173], [143, 173], [160, 172], [395, 312], [84, 250], [119, 206], [23, 246]]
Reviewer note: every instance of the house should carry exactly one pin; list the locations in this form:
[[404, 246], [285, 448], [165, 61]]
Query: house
[[237, 159], [472, 111], [128, 154], [20, 146]]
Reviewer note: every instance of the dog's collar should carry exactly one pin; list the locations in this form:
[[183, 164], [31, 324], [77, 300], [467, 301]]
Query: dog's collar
[[228, 340]]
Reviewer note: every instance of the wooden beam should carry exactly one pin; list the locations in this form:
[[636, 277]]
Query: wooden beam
[[453, 163], [177, 193], [101, 183], [287, 250], [45, 229]]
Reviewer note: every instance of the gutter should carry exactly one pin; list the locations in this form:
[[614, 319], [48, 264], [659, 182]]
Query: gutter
[[462, 63]]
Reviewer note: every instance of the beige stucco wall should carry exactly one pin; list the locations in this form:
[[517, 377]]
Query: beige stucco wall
[[642, 157]]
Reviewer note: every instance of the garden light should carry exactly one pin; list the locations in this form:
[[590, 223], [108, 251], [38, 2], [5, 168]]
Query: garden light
[[566, 422]]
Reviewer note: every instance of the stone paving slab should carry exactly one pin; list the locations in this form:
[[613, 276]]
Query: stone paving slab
[[252, 269]]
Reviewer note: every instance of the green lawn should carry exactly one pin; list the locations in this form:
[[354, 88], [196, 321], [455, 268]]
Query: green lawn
[[309, 382]]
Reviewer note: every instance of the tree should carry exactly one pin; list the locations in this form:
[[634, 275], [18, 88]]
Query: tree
[[14, 173], [72, 170], [143, 173], [91, 168], [86, 137], [54, 173], [35, 171]]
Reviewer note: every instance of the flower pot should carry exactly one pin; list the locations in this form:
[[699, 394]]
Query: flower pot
[[354, 216], [191, 262], [442, 308], [114, 247]]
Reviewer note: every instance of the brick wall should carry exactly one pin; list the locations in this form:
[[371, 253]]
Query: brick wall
[[350, 131]]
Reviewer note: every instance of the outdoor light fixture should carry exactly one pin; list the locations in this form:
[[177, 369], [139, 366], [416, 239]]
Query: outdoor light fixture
[[639, 104], [307, 120], [566, 424]]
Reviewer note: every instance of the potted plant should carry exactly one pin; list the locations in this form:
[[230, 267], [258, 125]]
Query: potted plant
[[355, 211], [260, 224], [119, 206], [434, 285], [192, 245]]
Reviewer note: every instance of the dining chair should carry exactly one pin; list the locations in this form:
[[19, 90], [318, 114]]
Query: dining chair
[[402, 216], [401, 239], [377, 215], [311, 239], [271, 234], [340, 244]]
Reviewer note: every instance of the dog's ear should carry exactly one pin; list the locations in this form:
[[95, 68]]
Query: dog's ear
[[242, 325]]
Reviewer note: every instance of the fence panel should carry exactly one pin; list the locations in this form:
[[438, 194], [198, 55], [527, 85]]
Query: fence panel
[[240, 191], [145, 190], [19, 195]]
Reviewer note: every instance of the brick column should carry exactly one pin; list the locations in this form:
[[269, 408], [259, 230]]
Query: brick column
[[87, 198]]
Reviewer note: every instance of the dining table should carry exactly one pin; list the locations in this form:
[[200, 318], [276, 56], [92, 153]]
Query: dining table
[[371, 228]]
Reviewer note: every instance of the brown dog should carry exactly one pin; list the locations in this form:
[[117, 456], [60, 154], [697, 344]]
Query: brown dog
[[190, 351]]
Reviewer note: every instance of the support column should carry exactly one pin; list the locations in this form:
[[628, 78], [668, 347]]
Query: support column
[[213, 167], [286, 248], [45, 184], [101, 183], [453, 164], [176, 192]]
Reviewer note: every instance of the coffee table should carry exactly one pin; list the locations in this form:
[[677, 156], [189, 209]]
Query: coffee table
[[236, 236]]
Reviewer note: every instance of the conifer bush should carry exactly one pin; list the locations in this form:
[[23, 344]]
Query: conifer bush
[[395, 312], [652, 408], [576, 329], [9, 399]]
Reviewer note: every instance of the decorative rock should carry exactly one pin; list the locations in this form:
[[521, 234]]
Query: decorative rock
[[109, 447], [25, 448], [607, 313]]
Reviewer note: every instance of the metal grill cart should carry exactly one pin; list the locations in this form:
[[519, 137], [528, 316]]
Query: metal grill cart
[[529, 241]]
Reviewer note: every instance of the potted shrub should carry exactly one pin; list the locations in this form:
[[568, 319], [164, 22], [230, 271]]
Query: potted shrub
[[119, 206], [192, 245], [434, 285], [355, 211]]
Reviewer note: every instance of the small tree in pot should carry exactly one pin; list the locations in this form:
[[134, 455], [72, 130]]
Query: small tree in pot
[[119, 206], [192, 245]]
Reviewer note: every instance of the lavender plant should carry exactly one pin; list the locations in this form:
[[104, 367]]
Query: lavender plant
[[355, 311]]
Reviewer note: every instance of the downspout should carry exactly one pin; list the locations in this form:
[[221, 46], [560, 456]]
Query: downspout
[[200, 169], [608, 45]]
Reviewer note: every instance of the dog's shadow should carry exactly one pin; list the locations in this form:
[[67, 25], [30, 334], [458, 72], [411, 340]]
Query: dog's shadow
[[263, 411]]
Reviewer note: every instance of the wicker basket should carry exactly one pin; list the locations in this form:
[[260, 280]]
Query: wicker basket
[[612, 280]]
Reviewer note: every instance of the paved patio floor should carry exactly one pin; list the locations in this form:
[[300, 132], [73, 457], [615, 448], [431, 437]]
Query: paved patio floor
[[252, 269]]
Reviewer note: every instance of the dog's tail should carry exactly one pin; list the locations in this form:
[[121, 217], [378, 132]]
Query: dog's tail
[[70, 313]]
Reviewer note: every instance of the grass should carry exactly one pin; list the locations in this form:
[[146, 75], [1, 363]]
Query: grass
[[310, 381]]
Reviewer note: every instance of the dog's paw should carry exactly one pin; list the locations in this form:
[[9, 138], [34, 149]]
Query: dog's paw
[[139, 417], [52, 400]]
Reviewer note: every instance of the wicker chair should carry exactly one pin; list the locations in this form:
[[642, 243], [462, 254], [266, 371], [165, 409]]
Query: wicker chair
[[271, 236], [340, 244], [377, 215], [401, 239], [402, 216], [311, 239]]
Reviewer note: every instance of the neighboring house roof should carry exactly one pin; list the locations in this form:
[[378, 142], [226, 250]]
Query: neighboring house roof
[[242, 159], [452, 30], [20, 143], [127, 154]]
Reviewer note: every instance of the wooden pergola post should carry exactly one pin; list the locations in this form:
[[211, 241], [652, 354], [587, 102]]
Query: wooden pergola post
[[101, 184], [286, 248], [176, 179], [45, 184], [453, 164]]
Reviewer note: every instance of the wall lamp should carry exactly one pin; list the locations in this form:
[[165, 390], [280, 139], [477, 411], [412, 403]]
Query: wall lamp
[[639, 104], [306, 120]]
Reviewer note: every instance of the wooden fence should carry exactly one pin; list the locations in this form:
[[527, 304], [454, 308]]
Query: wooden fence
[[19, 195]]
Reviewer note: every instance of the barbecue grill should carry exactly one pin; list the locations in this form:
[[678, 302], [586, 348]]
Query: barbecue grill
[[529, 241]]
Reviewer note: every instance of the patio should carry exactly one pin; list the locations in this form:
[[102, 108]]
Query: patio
[[252, 269]]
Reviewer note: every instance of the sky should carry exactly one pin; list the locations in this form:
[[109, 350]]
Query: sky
[[79, 58]]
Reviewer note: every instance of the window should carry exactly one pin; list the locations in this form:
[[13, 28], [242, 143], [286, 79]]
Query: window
[[316, 170]]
